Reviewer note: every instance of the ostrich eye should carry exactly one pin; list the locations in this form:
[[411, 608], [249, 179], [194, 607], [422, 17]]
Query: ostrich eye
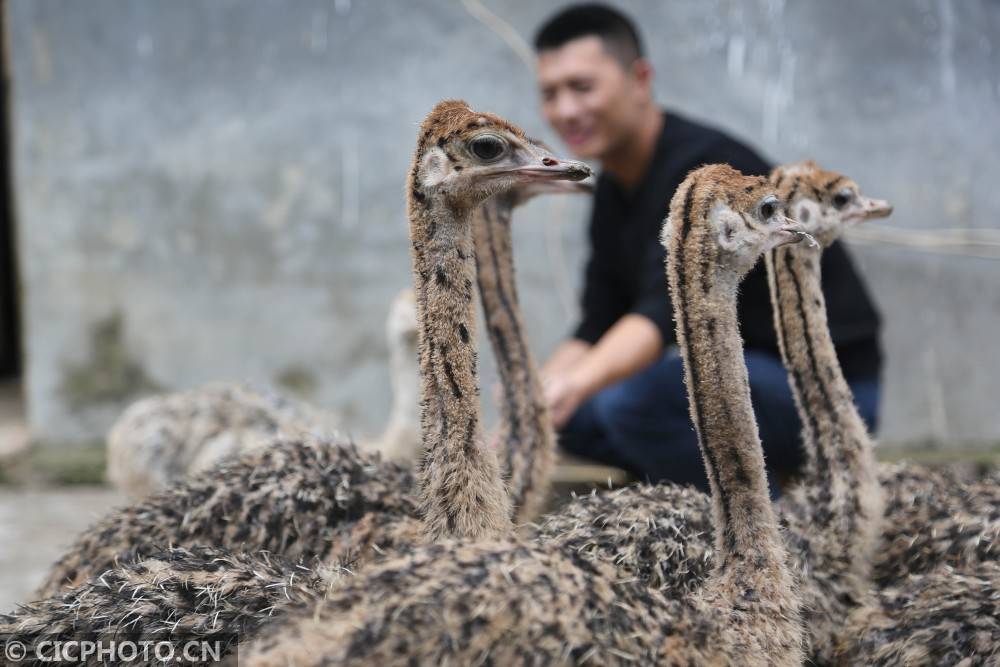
[[487, 147], [843, 198], [768, 207]]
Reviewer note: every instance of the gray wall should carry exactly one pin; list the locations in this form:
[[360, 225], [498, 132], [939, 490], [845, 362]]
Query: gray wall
[[214, 189]]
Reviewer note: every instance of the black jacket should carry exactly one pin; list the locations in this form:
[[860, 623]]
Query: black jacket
[[625, 272]]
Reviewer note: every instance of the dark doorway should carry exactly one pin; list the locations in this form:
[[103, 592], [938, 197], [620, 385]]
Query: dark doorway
[[10, 321]]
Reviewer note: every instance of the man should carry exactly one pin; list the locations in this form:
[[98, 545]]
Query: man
[[615, 389]]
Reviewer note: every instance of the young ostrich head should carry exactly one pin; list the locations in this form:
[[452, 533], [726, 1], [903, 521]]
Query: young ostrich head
[[824, 202], [743, 217], [463, 158]]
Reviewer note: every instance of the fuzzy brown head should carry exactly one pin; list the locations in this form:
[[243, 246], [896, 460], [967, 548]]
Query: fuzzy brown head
[[723, 220], [466, 156], [824, 202]]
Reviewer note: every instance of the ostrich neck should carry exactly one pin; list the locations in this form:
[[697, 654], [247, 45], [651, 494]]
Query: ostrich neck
[[749, 547], [526, 431], [462, 490], [845, 496]]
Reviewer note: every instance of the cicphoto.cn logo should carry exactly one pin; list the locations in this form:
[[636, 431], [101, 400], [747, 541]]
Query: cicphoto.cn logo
[[149, 652]]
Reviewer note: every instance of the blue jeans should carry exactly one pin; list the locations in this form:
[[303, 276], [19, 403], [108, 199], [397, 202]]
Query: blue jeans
[[643, 426]]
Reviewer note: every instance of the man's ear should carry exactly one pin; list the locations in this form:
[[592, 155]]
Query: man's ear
[[643, 72]]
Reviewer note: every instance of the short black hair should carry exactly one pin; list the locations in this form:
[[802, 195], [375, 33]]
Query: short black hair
[[616, 30]]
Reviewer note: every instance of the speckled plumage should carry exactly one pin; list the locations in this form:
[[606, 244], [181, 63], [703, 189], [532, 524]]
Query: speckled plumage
[[658, 534], [935, 518], [943, 617], [637, 531], [509, 603], [515, 603], [938, 601], [292, 498], [176, 595]]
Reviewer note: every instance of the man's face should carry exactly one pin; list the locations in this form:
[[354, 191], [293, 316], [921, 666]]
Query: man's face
[[589, 97]]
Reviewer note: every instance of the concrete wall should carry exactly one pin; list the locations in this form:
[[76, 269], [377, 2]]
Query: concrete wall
[[214, 189]]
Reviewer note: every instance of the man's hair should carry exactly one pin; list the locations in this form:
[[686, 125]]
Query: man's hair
[[620, 37]]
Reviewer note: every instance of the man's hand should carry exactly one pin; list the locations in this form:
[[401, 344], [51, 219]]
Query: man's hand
[[563, 395], [629, 346], [567, 355]]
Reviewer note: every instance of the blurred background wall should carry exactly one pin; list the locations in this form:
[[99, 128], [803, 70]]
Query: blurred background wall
[[214, 190]]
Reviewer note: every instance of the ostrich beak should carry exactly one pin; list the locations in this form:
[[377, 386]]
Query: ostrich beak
[[552, 168], [871, 209], [790, 232]]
